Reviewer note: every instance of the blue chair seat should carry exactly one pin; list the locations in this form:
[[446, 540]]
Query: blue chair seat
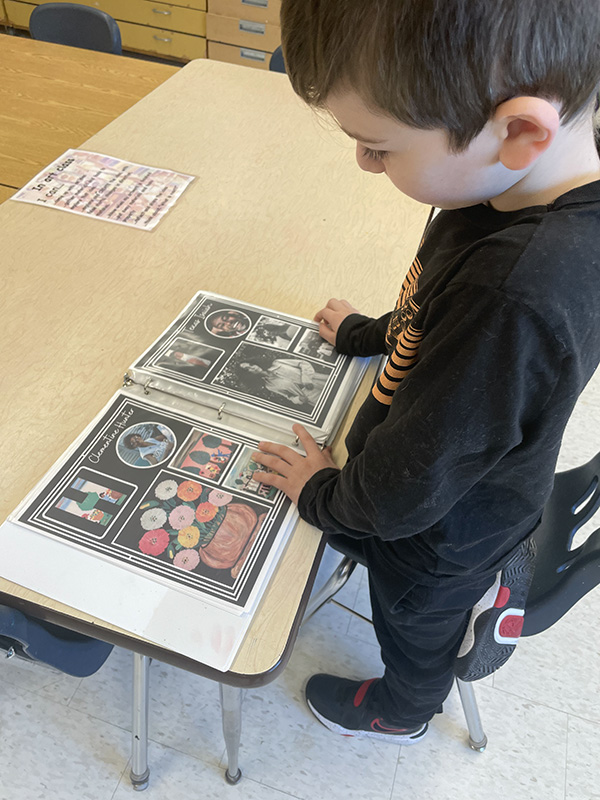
[[65, 650]]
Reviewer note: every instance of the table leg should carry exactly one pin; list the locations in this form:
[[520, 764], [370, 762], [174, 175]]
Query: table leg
[[231, 713], [139, 730]]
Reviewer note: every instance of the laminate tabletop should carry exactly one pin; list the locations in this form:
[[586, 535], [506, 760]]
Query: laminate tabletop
[[279, 215], [54, 97]]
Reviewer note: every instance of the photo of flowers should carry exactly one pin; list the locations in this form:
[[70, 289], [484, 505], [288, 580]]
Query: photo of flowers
[[194, 527]]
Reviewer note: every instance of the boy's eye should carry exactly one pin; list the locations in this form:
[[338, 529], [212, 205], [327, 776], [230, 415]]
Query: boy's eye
[[375, 155]]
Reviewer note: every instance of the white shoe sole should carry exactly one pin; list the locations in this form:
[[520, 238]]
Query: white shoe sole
[[397, 738]]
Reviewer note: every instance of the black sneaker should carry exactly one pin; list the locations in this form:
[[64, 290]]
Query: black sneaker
[[496, 621], [343, 706]]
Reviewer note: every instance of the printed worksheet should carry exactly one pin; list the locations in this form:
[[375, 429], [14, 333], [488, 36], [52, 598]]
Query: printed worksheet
[[106, 188]]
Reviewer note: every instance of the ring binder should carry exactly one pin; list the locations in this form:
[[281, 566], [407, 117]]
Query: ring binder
[[162, 482]]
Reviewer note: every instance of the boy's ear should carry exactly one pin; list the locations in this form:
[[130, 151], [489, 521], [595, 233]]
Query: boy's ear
[[527, 126]]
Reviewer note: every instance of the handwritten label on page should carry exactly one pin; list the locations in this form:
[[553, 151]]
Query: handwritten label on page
[[106, 188]]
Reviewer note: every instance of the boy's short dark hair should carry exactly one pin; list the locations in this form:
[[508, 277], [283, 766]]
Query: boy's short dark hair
[[444, 63]]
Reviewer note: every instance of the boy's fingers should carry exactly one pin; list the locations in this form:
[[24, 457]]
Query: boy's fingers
[[280, 450], [326, 333], [306, 440], [272, 462], [269, 478]]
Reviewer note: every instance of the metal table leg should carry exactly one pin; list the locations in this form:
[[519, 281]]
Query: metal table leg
[[231, 713], [139, 730], [477, 738]]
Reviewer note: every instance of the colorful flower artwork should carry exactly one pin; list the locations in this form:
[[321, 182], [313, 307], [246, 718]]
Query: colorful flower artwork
[[196, 526]]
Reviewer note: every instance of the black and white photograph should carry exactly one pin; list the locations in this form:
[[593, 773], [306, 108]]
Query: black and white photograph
[[286, 380], [311, 344], [184, 356], [273, 332], [227, 323]]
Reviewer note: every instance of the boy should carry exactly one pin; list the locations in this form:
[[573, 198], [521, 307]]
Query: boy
[[485, 109]]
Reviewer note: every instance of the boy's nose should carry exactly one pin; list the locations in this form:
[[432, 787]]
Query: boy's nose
[[368, 164]]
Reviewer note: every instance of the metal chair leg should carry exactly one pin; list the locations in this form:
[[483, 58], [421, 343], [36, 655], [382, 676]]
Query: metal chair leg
[[231, 713], [340, 576], [139, 730], [477, 738]]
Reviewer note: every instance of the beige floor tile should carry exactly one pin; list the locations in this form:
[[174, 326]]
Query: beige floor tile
[[583, 760], [525, 758], [185, 712], [50, 752], [175, 776]]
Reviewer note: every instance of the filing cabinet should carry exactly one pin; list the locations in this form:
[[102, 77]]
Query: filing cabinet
[[243, 31], [174, 29]]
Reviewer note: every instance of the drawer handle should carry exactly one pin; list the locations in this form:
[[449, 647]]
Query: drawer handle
[[164, 13], [161, 39]]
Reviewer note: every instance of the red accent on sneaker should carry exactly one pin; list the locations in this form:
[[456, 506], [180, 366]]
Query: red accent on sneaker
[[380, 726], [502, 597], [511, 626], [361, 692]]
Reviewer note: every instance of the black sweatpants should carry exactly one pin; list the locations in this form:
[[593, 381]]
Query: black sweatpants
[[420, 630]]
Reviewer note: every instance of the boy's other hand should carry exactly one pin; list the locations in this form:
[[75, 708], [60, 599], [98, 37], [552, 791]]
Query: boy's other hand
[[331, 317], [292, 468]]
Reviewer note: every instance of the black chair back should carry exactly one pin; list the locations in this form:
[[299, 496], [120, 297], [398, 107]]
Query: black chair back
[[75, 26], [562, 575]]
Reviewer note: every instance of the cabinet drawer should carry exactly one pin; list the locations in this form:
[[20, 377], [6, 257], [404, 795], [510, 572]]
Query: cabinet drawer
[[243, 33], [18, 14], [142, 12], [238, 55], [200, 5], [256, 10], [161, 42]]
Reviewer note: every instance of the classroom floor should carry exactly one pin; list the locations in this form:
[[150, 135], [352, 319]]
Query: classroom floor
[[63, 738]]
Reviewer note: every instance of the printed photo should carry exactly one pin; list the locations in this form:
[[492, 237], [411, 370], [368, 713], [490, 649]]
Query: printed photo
[[194, 527], [290, 382], [205, 454], [273, 332], [190, 358], [89, 502], [93, 514], [227, 323], [241, 476], [311, 344], [96, 491], [146, 444]]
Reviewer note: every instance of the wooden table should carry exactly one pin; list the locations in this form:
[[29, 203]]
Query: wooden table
[[279, 215], [53, 98]]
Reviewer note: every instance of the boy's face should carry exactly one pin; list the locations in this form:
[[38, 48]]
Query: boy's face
[[419, 162]]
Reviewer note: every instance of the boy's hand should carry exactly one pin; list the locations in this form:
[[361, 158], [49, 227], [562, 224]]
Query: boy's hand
[[293, 469], [331, 317]]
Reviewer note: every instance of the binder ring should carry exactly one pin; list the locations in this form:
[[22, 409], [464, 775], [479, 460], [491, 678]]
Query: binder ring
[[220, 411]]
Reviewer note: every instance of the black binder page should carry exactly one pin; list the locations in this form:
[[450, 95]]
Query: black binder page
[[264, 359], [162, 492]]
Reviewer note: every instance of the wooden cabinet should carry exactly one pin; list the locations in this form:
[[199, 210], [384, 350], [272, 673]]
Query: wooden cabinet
[[239, 31], [243, 31], [176, 29]]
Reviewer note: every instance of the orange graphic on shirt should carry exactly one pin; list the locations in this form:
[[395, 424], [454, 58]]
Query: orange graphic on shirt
[[403, 336]]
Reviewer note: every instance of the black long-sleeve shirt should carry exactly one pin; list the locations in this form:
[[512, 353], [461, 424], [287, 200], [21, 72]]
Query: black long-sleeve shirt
[[495, 334]]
